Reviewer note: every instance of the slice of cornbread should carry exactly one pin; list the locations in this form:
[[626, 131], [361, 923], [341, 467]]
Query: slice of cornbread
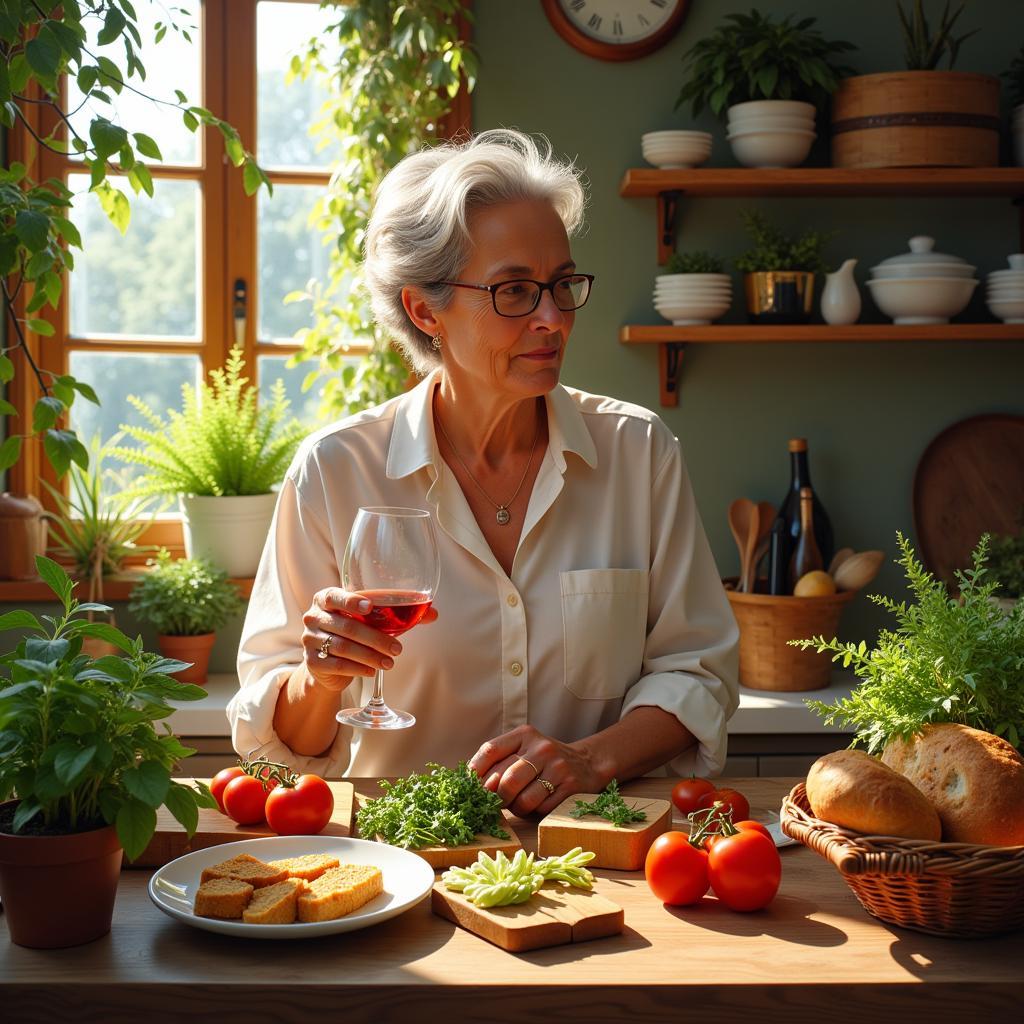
[[222, 897], [339, 891], [274, 904], [256, 872], [307, 867]]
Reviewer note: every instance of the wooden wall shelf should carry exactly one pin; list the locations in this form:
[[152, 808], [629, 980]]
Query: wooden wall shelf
[[633, 334]]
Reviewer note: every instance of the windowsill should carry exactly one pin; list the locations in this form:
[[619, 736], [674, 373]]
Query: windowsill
[[115, 588]]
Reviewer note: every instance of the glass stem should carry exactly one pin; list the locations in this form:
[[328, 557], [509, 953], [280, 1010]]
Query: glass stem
[[377, 700]]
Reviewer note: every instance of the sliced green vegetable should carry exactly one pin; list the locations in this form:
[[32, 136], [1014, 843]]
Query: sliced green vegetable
[[500, 882]]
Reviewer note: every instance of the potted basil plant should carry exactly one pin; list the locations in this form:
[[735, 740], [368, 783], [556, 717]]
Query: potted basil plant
[[82, 768]]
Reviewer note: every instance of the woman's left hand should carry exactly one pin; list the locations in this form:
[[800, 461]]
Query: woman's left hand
[[517, 764]]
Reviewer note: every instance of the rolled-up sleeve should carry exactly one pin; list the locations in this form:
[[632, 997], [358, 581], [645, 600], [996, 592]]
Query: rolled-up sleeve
[[690, 663]]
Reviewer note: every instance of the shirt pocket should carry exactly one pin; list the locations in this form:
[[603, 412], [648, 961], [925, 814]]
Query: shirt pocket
[[604, 622]]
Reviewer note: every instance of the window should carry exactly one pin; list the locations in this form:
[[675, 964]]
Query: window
[[202, 264]]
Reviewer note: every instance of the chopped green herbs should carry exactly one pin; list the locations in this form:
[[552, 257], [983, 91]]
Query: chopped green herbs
[[447, 807], [609, 804]]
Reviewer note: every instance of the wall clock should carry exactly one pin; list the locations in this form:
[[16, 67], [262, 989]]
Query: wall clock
[[616, 29]]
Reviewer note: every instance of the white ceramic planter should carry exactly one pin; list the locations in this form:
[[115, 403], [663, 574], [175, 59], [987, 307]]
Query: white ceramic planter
[[771, 108], [229, 531]]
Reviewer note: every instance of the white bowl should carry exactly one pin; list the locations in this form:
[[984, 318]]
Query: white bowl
[[1006, 275], [688, 288], [1010, 311], [662, 279], [922, 300], [678, 158], [918, 270], [770, 124], [771, 108], [691, 312], [771, 149], [675, 136]]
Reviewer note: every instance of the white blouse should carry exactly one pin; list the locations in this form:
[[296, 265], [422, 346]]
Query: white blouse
[[614, 601]]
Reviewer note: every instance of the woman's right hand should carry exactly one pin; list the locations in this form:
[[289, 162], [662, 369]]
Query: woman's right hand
[[353, 649]]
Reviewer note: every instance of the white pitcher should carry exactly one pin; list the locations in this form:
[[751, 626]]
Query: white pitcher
[[840, 301]]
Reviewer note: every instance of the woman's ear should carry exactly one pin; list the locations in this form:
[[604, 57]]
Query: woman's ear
[[419, 311]]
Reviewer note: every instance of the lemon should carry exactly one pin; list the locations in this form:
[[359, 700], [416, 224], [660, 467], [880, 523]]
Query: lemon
[[814, 584]]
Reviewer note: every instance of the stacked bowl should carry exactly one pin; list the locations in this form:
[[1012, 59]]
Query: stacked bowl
[[692, 299], [771, 133], [1005, 291], [922, 286], [671, 149]]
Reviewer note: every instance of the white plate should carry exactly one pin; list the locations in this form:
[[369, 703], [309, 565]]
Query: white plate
[[407, 879]]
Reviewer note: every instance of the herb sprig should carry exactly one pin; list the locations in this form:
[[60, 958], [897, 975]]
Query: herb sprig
[[609, 804], [445, 807]]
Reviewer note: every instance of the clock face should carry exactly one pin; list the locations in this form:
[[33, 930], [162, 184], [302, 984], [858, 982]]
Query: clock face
[[616, 29]]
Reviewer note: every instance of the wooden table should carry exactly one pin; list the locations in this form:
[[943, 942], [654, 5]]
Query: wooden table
[[814, 954]]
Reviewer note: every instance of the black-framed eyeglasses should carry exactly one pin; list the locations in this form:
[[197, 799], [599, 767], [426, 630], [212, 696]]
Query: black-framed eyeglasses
[[521, 296]]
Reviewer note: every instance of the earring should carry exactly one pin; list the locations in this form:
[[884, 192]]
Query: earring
[[435, 342]]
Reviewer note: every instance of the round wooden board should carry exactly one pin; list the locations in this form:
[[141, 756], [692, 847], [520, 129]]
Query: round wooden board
[[969, 481]]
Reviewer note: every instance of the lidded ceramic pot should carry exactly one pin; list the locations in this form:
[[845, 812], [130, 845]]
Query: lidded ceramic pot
[[22, 536], [922, 261]]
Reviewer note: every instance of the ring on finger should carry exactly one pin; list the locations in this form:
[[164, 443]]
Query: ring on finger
[[549, 786], [325, 649], [526, 760]]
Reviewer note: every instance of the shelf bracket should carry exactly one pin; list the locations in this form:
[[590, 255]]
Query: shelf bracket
[[668, 204], [670, 363]]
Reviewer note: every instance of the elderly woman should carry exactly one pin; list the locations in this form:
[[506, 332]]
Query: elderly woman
[[580, 632]]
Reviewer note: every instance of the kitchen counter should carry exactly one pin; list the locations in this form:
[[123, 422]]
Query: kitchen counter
[[814, 954]]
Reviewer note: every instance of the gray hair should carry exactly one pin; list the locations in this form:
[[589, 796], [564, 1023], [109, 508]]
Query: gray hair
[[418, 231]]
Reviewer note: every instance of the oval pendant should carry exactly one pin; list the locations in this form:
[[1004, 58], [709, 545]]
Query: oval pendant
[[502, 516]]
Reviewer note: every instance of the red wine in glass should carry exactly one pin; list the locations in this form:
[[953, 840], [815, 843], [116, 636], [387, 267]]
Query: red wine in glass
[[393, 611]]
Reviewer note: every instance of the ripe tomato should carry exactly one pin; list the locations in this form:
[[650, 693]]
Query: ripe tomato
[[300, 810], [686, 793], [244, 800], [744, 870], [220, 780], [676, 871], [733, 798]]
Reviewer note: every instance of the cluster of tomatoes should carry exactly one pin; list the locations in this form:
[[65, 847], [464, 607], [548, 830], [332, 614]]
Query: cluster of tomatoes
[[292, 805], [725, 851]]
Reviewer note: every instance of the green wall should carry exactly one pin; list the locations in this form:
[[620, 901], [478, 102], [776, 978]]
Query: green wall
[[868, 410]]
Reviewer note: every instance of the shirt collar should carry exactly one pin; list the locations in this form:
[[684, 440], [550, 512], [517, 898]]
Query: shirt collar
[[414, 444]]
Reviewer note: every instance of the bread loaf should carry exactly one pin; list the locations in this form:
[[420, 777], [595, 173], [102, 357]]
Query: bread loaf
[[856, 791], [974, 779]]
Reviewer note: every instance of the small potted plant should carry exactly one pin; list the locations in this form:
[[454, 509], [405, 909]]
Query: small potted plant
[[186, 601], [693, 289], [82, 768], [1015, 80], [768, 78], [923, 116], [222, 454], [779, 271]]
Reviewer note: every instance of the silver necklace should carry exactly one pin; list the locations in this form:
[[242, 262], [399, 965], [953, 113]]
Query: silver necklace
[[501, 513]]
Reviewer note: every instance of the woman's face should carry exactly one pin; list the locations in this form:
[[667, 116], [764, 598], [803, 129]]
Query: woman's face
[[517, 356]]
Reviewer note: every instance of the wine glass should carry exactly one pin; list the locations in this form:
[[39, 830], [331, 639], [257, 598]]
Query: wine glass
[[391, 559]]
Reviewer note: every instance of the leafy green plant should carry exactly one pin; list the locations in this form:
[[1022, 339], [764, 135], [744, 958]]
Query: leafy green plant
[[699, 262], [952, 659], [773, 249], [222, 442], [753, 57], [97, 525], [923, 48], [78, 744], [184, 596], [1014, 76], [444, 807], [40, 44], [609, 804], [392, 69], [1006, 562]]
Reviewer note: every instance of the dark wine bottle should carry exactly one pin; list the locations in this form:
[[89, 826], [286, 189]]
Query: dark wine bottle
[[800, 476], [806, 555], [776, 557]]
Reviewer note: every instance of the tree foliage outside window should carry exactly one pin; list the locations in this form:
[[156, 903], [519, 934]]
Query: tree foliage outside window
[[396, 66]]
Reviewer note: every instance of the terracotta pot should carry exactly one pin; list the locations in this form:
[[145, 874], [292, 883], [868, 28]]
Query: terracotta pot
[[59, 890], [188, 648], [22, 536]]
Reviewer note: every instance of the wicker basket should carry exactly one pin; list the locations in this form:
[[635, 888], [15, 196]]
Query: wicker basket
[[951, 889]]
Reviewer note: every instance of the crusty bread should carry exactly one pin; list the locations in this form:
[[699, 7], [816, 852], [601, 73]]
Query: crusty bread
[[256, 872], [974, 779], [222, 897], [274, 904], [308, 867], [339, 891], [856, 791]]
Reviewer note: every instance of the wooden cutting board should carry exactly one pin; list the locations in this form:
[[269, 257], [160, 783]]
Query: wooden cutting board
[[170, 841], [441, 857], [554, 916], [622, 847]]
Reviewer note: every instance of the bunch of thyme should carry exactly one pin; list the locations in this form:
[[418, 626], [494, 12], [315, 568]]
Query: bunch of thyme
[[609, 804]]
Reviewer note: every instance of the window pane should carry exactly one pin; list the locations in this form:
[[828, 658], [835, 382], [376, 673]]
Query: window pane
[[173, 64], [304, 405], [290, 252], [144, 283], [286, 111], [156, 379]]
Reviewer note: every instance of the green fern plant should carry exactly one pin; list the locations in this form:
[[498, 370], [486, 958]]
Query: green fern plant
[[924, 48], [222, 442], [698, 262], [952, 659], [773, 249]]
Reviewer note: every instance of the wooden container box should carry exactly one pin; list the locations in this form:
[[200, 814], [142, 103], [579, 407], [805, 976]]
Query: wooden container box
[[916, 119]]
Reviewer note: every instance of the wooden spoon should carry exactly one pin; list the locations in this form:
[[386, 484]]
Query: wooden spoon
[[765, 517], [743, 523], [837, 560], [859, 570]]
